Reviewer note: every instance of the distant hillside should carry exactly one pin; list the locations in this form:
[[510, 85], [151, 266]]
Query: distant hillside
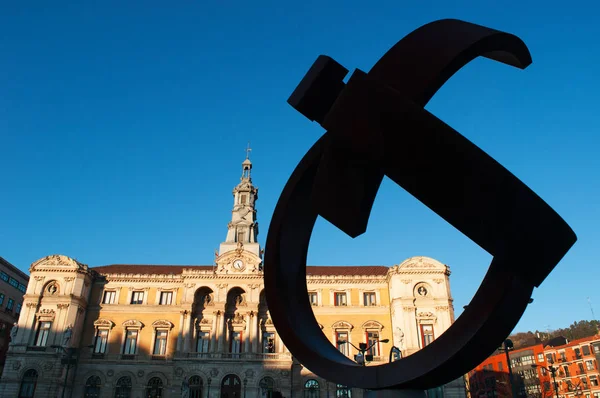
[[577, 330]]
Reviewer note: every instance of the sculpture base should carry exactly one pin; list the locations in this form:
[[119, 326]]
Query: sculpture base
[[389, 393]]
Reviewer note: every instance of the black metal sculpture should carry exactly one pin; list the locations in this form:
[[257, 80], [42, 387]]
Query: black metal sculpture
[[367, 120]]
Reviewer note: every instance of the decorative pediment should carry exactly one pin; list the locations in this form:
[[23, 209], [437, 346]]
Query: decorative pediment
[[245, 261], [59, 261], [342, 325], [238, 319], [162, 323], [104, 323], [372, 325], [132, 323], [422, 262]]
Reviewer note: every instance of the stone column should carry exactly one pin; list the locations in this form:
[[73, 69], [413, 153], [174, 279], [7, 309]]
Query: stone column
[[255, 334], [189, 325], [279, 343], [249, 318], [180, 334], [27, 324], [214, 332], [221, 329]]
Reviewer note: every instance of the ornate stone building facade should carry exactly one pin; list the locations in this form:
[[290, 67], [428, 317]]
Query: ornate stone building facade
[[205, 331]]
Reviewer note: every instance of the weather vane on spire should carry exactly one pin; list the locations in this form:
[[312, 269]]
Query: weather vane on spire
[[248, 150]]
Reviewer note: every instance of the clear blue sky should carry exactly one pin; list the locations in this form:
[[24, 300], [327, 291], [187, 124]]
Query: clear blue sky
[[123, 126]]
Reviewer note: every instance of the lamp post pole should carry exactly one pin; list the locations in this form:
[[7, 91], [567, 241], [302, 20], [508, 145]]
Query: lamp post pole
[[552, 370], [508, 344]]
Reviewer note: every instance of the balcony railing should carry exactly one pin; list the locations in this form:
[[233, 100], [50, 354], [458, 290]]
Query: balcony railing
[[247, 356]]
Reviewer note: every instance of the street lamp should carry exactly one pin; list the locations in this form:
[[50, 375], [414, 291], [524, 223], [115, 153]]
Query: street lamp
[[208, 380], [68, 359], [552, 371], [362, 348], [395, 354]]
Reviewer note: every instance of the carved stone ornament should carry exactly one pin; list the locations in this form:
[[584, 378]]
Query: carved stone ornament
[[408, 309], [110, 372], [140, 373], [52, 288], [48, 365], [342, 325], [104, 323], [69, 279], [133, 323], [284, 373], [39, 278], [62, 306], [442, 308], [372, 325], [16, 365], [46, 314], [438, 281], [406, 281], [222, 285], [205, 321], [162, 323], [214, 372], [178, 372], [425, 315], [249, 373], [238, 319], [31, 305]]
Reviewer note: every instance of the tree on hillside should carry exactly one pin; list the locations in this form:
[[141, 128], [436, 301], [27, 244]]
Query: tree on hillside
[[577, 330]]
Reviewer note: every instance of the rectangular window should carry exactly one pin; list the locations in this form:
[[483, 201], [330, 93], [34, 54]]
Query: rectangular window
[[340, 299], [42, 334], [341, 339], [160, 343], [22, 288], [10, 304], [236, 342], [594, 381], [540, 357], [269, 342], [313, 298], [563, 357], [426, 334], [202, 342], [589, 365], [577, 353], [4, 276], [101, 341], [549, 358], [500, 366], [166, 298], [18, 310], [585, 383], [580, 366], [240, 236], [137, 297], [567, 372], [1, 298], [373, 343], [243, 199], [130, 346], [110, 297], [369, 299], [596, 348], [586, 350], [13, 282]]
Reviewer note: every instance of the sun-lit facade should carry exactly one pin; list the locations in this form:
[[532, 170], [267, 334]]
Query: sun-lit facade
[[205, 331]]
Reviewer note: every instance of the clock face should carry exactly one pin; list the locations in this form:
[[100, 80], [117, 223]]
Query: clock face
[[238, 264]]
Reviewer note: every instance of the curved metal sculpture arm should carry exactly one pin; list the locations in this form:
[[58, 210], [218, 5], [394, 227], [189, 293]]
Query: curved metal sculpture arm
[[444, 170]]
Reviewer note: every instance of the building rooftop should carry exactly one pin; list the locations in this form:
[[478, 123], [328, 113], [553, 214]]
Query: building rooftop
[[319, 270]]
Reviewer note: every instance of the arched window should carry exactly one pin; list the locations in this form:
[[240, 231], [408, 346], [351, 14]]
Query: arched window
[[195, 383], [123, 389], [92, 387], [28, 383], [311, 389], [343, 391], [267, 385], [231, 387], [154, 388]]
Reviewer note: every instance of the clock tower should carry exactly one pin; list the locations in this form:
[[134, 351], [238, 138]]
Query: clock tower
[[241, 251]]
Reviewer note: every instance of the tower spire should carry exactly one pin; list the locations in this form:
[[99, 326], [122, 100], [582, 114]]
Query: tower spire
[[243, 227]]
